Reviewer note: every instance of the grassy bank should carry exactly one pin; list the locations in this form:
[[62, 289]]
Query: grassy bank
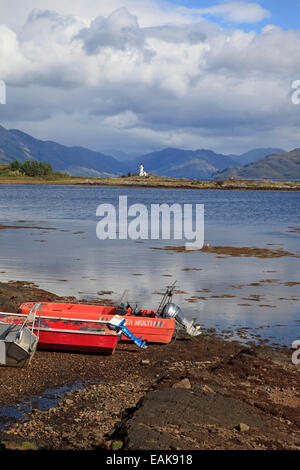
[[152, 182]]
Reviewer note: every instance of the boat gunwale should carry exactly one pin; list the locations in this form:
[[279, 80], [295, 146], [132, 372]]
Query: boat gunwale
[[85, 320], [60, 330]]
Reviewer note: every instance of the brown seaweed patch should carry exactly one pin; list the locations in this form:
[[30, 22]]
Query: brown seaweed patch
[[191, 300], [294, 299], [191, 269], [267, 305], [256, 284], [223, 296], [235, 251], [294, 229], [252, 297], [105, 292], [22, 284], [3, 227]]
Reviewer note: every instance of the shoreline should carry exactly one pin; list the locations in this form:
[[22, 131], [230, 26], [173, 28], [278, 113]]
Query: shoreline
[[192, 394], [158, 183]]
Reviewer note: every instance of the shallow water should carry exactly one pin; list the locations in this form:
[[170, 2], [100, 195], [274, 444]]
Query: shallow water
[[49, 399], [63, 255]]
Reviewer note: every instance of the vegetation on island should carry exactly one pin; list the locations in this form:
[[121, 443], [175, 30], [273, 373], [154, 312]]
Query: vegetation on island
[[31, 169]]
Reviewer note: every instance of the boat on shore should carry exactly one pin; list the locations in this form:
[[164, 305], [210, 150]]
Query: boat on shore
[[73, 334], [143, 323], [18, 341], [155, 326]]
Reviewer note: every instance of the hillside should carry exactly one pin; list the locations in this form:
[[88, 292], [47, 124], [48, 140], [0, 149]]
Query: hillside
[[16, 145], [174, 162], [255, 154], [283, 166]]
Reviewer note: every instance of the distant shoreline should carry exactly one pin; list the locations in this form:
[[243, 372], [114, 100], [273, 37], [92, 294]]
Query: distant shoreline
[[159, 183]]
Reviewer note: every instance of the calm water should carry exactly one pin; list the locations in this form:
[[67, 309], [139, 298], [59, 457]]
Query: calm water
[[64, 255]]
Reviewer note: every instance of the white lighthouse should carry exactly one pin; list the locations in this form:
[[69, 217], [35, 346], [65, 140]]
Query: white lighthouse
[[142, 172]]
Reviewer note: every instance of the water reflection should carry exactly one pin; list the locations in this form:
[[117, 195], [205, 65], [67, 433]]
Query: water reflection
[[64, 255]]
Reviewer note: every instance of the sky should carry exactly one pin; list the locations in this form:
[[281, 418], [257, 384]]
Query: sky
[[141, 75]]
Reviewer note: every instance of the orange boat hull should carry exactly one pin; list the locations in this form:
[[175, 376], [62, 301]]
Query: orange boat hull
[[147, 325]]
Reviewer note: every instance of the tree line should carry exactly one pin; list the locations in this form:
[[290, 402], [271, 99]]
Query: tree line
[[32, 168]]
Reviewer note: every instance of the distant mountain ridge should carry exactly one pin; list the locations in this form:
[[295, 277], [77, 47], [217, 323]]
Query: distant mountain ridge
[[182, 163], [255, 154], [281, 166], [169, 162], [17, 145]]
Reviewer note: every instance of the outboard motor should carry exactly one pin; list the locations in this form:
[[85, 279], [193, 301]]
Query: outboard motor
[[171, 310]]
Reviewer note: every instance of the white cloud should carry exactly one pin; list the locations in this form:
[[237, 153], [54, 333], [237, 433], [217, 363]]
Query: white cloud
[[148, 12], [238, 12], [124, 77], [120, 30]]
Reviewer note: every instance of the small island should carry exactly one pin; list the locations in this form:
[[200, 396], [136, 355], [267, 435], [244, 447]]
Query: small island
[[34, 172]]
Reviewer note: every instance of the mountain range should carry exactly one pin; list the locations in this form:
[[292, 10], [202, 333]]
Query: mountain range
[[172, 162], [16, 145], [280, 166]]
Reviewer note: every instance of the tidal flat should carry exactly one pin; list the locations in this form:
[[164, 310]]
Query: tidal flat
[[192, 394]]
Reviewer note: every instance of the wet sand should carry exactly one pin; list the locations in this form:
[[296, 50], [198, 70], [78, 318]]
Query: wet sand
[[201, 393]]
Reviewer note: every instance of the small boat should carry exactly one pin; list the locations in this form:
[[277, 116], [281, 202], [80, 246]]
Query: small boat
[[155, 326], [144, 323], [18, 341], [75, 334]]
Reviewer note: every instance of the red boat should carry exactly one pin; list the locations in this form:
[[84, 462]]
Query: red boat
[[70, 334], [154, 326], [143, 323]]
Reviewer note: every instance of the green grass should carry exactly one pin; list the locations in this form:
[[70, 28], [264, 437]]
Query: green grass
[[153, 181]]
